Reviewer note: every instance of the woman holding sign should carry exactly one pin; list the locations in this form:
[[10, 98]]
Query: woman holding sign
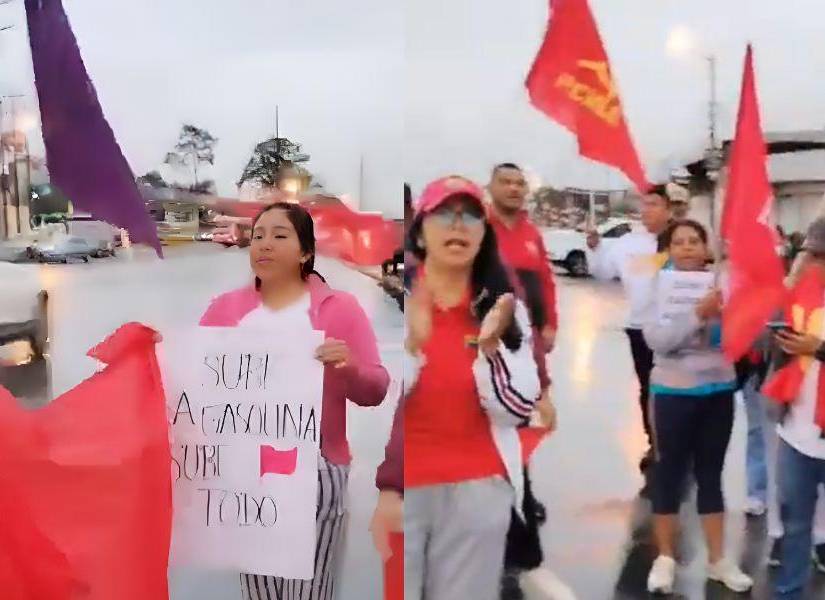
[[470, 380], [693, 386], [287, 289]]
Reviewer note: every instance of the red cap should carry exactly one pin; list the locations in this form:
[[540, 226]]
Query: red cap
[[438, 191]]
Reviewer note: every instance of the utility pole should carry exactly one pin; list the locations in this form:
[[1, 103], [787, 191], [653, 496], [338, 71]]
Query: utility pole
[[4, 217], [277, 143], [4, 197], [10, 196], [713, 154], [712, 108]]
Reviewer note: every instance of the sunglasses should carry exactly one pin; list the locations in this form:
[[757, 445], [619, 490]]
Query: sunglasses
[[447, 216]]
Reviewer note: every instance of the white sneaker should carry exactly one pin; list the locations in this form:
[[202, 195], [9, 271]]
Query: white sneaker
[[543, 584], [662, 575], [755, 507], [729, 575]]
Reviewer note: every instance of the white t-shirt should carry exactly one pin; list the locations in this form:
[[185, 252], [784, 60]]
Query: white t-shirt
[[296, 314], [798, 428], [632, 258]]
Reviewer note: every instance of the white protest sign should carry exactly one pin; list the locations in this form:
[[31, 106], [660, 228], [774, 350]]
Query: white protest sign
[[678, 292], [245, 409]]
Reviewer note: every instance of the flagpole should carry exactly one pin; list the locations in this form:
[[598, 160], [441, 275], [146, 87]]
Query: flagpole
[[592, 197], [718, 242], [361, 183]]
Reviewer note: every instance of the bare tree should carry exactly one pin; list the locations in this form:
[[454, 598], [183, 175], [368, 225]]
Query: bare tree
[[195, 146]]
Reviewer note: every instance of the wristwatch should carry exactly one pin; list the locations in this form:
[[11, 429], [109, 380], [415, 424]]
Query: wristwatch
[[820, 353]]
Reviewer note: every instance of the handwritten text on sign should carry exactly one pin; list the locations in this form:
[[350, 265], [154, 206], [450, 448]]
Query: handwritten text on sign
[[680, 291], [245, 408]]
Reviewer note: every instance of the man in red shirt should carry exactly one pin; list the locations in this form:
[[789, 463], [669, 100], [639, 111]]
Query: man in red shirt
[[522, 250]]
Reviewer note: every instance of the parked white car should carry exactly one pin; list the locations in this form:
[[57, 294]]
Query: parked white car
[[62, 249], [568, 247]]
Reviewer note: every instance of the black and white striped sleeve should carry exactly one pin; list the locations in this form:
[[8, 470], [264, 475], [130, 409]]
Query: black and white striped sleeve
[[507, 381]]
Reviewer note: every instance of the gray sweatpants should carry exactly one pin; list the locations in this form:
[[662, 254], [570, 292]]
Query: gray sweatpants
[[454, 539]]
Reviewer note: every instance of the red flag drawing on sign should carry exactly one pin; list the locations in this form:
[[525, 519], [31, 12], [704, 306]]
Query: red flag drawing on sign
[[278, 462], [571, 83], [756, 271]]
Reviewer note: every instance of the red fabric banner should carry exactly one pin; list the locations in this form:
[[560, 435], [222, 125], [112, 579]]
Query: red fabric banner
[[804, 313], [87, 500], [340, 232], [359, 238]]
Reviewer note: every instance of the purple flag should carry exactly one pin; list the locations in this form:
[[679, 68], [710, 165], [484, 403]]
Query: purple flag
[[82, 154]]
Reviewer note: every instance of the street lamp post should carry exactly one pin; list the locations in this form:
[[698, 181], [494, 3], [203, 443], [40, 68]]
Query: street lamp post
[[4, 216]]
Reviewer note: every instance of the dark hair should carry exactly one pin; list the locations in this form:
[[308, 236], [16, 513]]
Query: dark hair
[[667, 236], [304, 228], [659, 189], [488, 280], [505, 165]]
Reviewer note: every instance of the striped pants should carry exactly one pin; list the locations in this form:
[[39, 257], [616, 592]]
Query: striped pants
[[330, 521]]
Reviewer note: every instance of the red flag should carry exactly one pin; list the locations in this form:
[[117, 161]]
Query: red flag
[[756, 271], [340, 232], [531, 439], [355, 237], [805, 314], [571, 82], [20, 538], [87, 494], [394, 569]]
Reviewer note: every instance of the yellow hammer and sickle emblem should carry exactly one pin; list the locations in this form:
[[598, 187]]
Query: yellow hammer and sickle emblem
[[812, 325], [604, 103], [602, 74]]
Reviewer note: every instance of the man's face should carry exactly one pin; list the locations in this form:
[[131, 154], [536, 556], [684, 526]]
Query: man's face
[[655, 213], [508, 189]]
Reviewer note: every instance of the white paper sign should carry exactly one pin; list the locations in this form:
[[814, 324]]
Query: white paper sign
[[680, 291], [245, 408]]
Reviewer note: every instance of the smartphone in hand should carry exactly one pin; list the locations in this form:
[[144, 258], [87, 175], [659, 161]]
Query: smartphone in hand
[[777, 326]]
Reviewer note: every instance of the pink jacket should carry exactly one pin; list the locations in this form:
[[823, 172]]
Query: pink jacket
[[338, 315]]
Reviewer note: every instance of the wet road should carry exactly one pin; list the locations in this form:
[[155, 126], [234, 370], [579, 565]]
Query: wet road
[[598, 535]]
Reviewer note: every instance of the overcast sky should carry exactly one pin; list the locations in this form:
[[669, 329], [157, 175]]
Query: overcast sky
[[467, 60], [423, 87], [333, 67]]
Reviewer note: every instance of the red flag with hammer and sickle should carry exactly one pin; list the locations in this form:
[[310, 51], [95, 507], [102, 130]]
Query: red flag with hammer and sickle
[[571, 83]]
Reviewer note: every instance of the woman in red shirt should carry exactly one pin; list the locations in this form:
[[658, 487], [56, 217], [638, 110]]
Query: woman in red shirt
[[470, 381]]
